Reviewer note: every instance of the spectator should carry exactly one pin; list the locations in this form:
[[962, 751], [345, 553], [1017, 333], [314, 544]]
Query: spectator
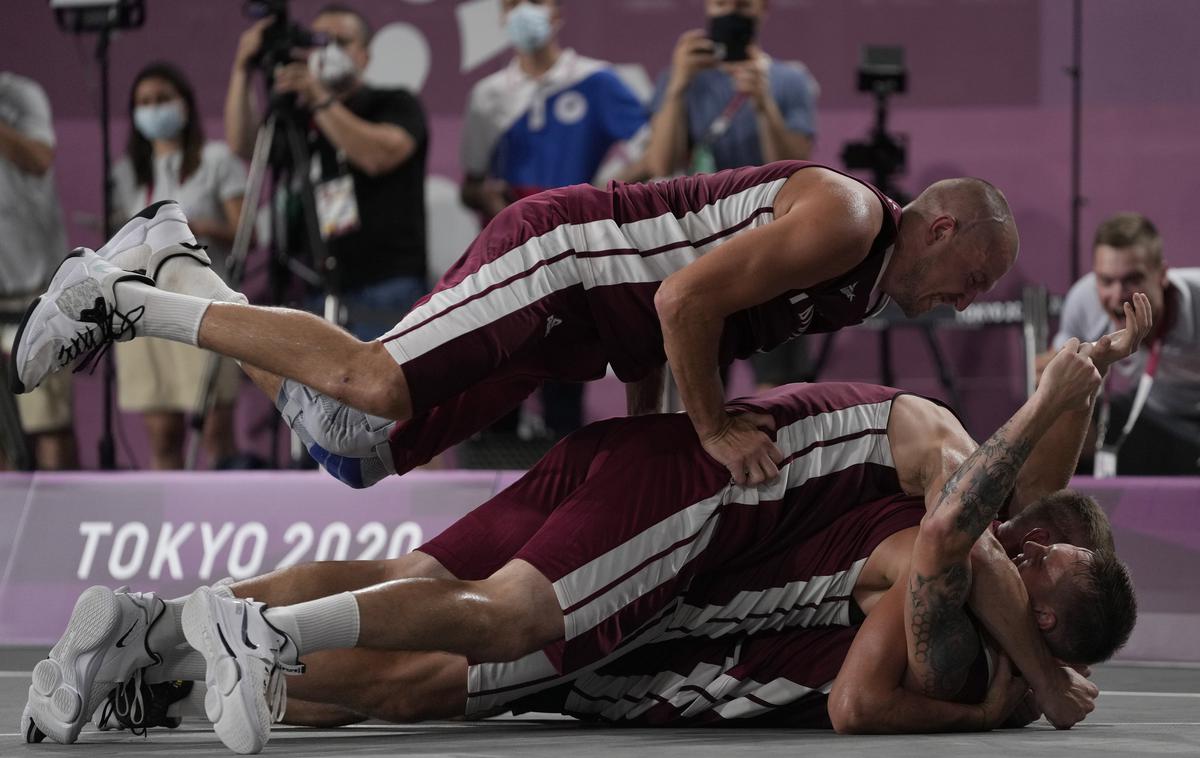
[[167, 158], [1165, 438], [546, 120], [375, 137], [32, 241], [711, 114]]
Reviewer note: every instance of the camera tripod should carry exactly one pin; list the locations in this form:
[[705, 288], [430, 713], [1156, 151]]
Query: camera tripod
[[280, 146]]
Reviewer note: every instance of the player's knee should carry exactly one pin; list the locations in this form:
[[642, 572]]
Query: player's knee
[[522, 616]]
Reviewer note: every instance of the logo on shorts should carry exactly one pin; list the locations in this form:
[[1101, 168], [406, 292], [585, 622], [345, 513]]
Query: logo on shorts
[[551, 322], [806, 317], [848, 291]]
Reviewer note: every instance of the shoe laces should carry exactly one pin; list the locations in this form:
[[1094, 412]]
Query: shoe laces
[[127, 710], [94, 341]]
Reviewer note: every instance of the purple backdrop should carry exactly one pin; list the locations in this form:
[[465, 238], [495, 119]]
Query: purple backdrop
[[988, 97], [171, 532]]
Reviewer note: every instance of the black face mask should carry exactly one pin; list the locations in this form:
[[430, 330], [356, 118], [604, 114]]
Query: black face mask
[[732, 33]]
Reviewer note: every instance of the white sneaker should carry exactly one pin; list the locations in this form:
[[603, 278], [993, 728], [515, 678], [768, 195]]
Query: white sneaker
[[77, 317], [104, 644], [147, 240], [245, 659]]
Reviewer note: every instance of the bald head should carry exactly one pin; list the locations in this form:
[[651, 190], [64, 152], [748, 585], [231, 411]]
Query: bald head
[[980, 209], [956, 240]]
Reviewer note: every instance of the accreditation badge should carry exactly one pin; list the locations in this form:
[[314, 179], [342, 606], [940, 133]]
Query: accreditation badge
[[337, 207]]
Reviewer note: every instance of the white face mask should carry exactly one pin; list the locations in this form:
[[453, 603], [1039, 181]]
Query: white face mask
[[528, 27], [162, 121], [333, 67]]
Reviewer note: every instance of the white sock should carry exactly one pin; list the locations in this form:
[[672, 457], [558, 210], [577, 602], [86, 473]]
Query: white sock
[[168, 315], [327, 623], [188, 276], [182, 663], [168, 630]]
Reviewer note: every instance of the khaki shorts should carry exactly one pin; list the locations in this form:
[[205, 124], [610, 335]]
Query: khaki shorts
[[155, 375], [47, 408]]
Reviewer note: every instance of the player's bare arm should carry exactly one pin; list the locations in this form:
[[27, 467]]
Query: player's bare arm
[[940, 577], [816, 235], [1054, 459], [869, 696]]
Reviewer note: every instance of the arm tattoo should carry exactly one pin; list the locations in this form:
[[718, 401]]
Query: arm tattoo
[[944, 642], [990, 474]]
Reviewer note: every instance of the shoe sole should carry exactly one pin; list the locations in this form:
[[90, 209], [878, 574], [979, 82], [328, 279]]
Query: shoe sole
[[62, 683], [233, 717], [14, 378]]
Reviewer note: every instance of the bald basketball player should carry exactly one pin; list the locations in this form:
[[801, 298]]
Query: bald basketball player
[[628, 534], [696, 272]]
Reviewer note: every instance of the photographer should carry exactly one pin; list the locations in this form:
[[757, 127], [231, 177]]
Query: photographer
[[369, 148], [724, 103]]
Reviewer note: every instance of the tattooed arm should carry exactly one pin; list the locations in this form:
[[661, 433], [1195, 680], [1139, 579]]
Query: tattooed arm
[[941, 639]]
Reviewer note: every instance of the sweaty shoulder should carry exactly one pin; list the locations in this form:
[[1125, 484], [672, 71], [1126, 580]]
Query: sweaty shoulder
[[847, 209]]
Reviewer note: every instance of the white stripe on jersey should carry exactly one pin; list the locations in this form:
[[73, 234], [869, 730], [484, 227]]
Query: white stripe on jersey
[[696, 523], [605, 234], [706, 687], [819, 601], [487, 677]]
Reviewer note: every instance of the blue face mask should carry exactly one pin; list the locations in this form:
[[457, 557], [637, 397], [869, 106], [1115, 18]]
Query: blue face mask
[[162, 121], [528, 27]]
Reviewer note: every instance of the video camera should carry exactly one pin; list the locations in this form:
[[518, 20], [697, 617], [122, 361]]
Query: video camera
[[882, 73], [281, 36]]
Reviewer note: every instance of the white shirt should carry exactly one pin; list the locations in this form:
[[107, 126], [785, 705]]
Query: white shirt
[[220, 176], [1176, 391], [32, 237]]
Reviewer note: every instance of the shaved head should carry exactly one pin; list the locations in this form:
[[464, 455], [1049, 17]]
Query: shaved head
[[978, 207]]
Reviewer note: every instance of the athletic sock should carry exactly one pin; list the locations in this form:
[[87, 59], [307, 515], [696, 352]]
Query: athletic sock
[[167, 632], [188, 276], [182, 663], [168, 315], [327, 623]]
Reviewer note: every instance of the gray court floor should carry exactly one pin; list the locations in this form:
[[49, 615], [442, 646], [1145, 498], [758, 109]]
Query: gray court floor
[[1143, 711]]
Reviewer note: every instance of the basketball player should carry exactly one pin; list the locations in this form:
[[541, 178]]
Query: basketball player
[[629, 535], [695, 271]]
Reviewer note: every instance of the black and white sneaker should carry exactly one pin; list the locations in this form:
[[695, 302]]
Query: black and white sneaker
[[76, 319], [157, 233], [104, 645], [246, 659]]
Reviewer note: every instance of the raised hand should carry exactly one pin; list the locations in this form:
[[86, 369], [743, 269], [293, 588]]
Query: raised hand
[[1123, 343], [741, 446], [1070, 379]]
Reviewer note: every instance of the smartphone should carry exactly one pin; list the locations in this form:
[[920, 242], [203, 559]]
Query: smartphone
[[731, 35]]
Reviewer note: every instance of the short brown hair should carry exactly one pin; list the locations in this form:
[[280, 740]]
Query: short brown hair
[[1131, 230], [364, 26], [1069, 516], [1097, 614]]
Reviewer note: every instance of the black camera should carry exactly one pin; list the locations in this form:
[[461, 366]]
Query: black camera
[[882, 73], [281, 36]]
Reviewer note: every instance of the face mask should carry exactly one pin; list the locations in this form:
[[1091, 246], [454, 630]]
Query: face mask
[[333, 67], [528, 27], [732, 33], [162, 121]]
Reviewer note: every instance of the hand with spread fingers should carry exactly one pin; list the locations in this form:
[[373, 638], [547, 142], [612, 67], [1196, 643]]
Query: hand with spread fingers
[[1125, 342]]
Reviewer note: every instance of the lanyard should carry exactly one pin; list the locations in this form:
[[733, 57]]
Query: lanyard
[[1145, 383], [721, 123]]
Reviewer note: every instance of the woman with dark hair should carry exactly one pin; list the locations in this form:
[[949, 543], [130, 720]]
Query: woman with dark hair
[[167, 158]]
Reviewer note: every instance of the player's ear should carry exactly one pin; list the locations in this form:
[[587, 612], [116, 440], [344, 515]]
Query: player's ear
[[1038, 535], [940, 228], [1044, 615]]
